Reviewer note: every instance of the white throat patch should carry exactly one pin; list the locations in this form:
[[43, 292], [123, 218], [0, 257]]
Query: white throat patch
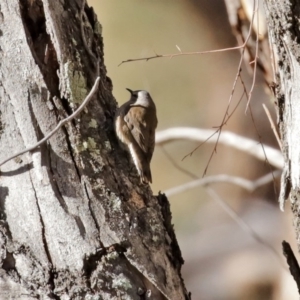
[[143, 99]]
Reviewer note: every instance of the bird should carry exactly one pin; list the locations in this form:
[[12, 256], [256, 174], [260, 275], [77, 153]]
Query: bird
[[135, 125]]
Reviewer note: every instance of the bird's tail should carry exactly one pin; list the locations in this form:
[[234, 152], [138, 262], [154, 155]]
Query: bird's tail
[[141, 163], [145, 175]]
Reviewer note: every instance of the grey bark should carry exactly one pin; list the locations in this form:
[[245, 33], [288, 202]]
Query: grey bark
[[75, 223], [283, 20], [279, 59], [283, 23]]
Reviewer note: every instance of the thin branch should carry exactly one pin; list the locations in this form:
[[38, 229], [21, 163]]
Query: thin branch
[[171, 55], [255, 11], [263, 149], [228, 117], [242, 224], [257, 132], [273, 126], [238, 75], [225, 119], [60, 124], [248, 185], [228, 209], [173, 162], [227, 138]]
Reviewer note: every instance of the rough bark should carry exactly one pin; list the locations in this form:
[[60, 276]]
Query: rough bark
[[283, 23], [279, 59], [75, 223]]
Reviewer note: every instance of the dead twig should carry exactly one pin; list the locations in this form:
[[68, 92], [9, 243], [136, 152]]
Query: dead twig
[[171, 55]]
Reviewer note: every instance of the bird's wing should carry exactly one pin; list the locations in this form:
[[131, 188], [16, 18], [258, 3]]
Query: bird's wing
[[151, 145], [151, 142], [137, 126]]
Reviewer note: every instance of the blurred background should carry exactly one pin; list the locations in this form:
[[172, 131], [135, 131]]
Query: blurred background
[[222, 261]]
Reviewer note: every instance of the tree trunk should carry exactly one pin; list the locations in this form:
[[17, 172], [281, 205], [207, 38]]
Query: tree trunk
[[283, 23], [75, 223]]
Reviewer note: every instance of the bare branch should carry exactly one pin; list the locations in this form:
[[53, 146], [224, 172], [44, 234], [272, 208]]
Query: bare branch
[[257, 132], [273, 126], [227, 138], [248, 185], [242, 224], [60, 124], [171, 55], [255, 11], [238, 75]]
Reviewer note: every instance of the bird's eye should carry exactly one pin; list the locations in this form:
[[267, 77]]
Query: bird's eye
[[134, 95]]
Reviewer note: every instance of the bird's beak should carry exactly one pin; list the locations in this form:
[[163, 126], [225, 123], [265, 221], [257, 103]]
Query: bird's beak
[[130, 91]]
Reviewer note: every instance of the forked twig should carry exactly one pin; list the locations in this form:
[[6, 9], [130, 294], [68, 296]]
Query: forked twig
[[171, 55], [227, 116]]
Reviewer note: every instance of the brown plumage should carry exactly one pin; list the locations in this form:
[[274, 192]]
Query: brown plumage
[[135, 126]]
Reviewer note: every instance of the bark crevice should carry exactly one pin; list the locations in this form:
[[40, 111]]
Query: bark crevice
[[40, 43], [42, 225]]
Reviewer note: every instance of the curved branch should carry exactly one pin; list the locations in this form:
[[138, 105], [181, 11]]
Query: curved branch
[[226, 138], [249, 185]]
